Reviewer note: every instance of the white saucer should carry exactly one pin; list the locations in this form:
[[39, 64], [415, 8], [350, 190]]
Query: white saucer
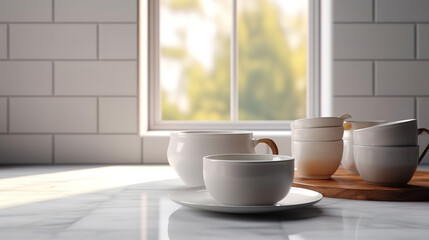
[[199, 198]]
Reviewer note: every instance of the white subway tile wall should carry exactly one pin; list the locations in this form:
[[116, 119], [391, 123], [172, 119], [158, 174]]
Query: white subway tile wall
[[3, 115], [353, 10], [423, 142], [68, 75], [422, 41], [25, 10], [97, 149], [68, 82], [26, 149], [53, 115], [112, 115], [375, 108], [89, 78], [150, 153], [380, 72], [21, 78], [112, 35], [401, 11], [353, 78], [373, 41], [402, 78], [96, 11], [3, 41], [53, 41], [423, 111]]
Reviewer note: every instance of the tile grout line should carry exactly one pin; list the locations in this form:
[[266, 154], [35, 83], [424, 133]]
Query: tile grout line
[[98, 42], [53, 148], [380, 59], [97, 22], [53, 78], [142, 161], [415, 41], [373, 10], [76, 133], [73, 60], [8, 115], [53, 10], [376, 22], [138, 73], [70, 96], [141, 150], [380, 96], [373, 78], [8, 41], [98, 115], [415, 108]]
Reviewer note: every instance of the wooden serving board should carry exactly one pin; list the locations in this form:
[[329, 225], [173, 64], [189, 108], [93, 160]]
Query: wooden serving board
[[347, 186]]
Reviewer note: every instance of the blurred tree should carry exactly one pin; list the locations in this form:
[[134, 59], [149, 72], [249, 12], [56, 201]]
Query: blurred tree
[[182, 5], [271, 74], [266, 77]]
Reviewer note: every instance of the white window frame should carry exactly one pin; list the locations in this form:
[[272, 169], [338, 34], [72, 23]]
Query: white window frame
[[150, 110]]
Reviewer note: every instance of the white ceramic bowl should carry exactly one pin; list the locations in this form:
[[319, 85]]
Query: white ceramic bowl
[[317, 122], [317, 160], [398, 133], [353, 125], [186, 150], [349, 126], [386, 166], [318, 134], [248, 179]]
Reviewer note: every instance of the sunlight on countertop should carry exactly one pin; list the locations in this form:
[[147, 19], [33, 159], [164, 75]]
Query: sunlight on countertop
[[38, 187]]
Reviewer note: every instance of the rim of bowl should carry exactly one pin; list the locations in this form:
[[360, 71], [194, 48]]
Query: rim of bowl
[[317, 122], [318, 128], [397, 123], [211, 132], [330, 141], [305, 120], [330, 126], [233, 158], [313, 118], [380, 147], [364, 121]]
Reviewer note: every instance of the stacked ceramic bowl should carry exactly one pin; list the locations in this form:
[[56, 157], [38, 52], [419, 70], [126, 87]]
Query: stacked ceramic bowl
[[347, 160], [317, 146], [387, 154]]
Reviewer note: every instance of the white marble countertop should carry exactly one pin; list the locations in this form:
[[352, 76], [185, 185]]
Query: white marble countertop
[[131, 202]]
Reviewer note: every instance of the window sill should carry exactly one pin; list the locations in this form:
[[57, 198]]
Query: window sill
[[155, 144]]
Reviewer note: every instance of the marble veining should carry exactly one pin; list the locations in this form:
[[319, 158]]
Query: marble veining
[[131, 202]]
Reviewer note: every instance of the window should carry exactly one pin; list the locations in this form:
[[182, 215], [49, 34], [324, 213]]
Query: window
[[241, 64]]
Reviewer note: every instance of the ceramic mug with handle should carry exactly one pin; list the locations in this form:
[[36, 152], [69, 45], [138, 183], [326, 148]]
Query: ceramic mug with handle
[[187, 148], [388, 165]]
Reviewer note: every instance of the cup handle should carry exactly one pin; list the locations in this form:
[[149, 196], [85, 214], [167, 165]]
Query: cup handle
[[271, 144], [345, 116], [420, 131]]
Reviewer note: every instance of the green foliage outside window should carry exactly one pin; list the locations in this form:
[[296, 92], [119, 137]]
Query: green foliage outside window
[[271, 73]]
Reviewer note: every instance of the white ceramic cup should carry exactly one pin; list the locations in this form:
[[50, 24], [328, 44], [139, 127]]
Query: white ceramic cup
[[317, 160], [398, 133], [248, 179], [318, 134], [387, 166], [186, 150], [347, 161]]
